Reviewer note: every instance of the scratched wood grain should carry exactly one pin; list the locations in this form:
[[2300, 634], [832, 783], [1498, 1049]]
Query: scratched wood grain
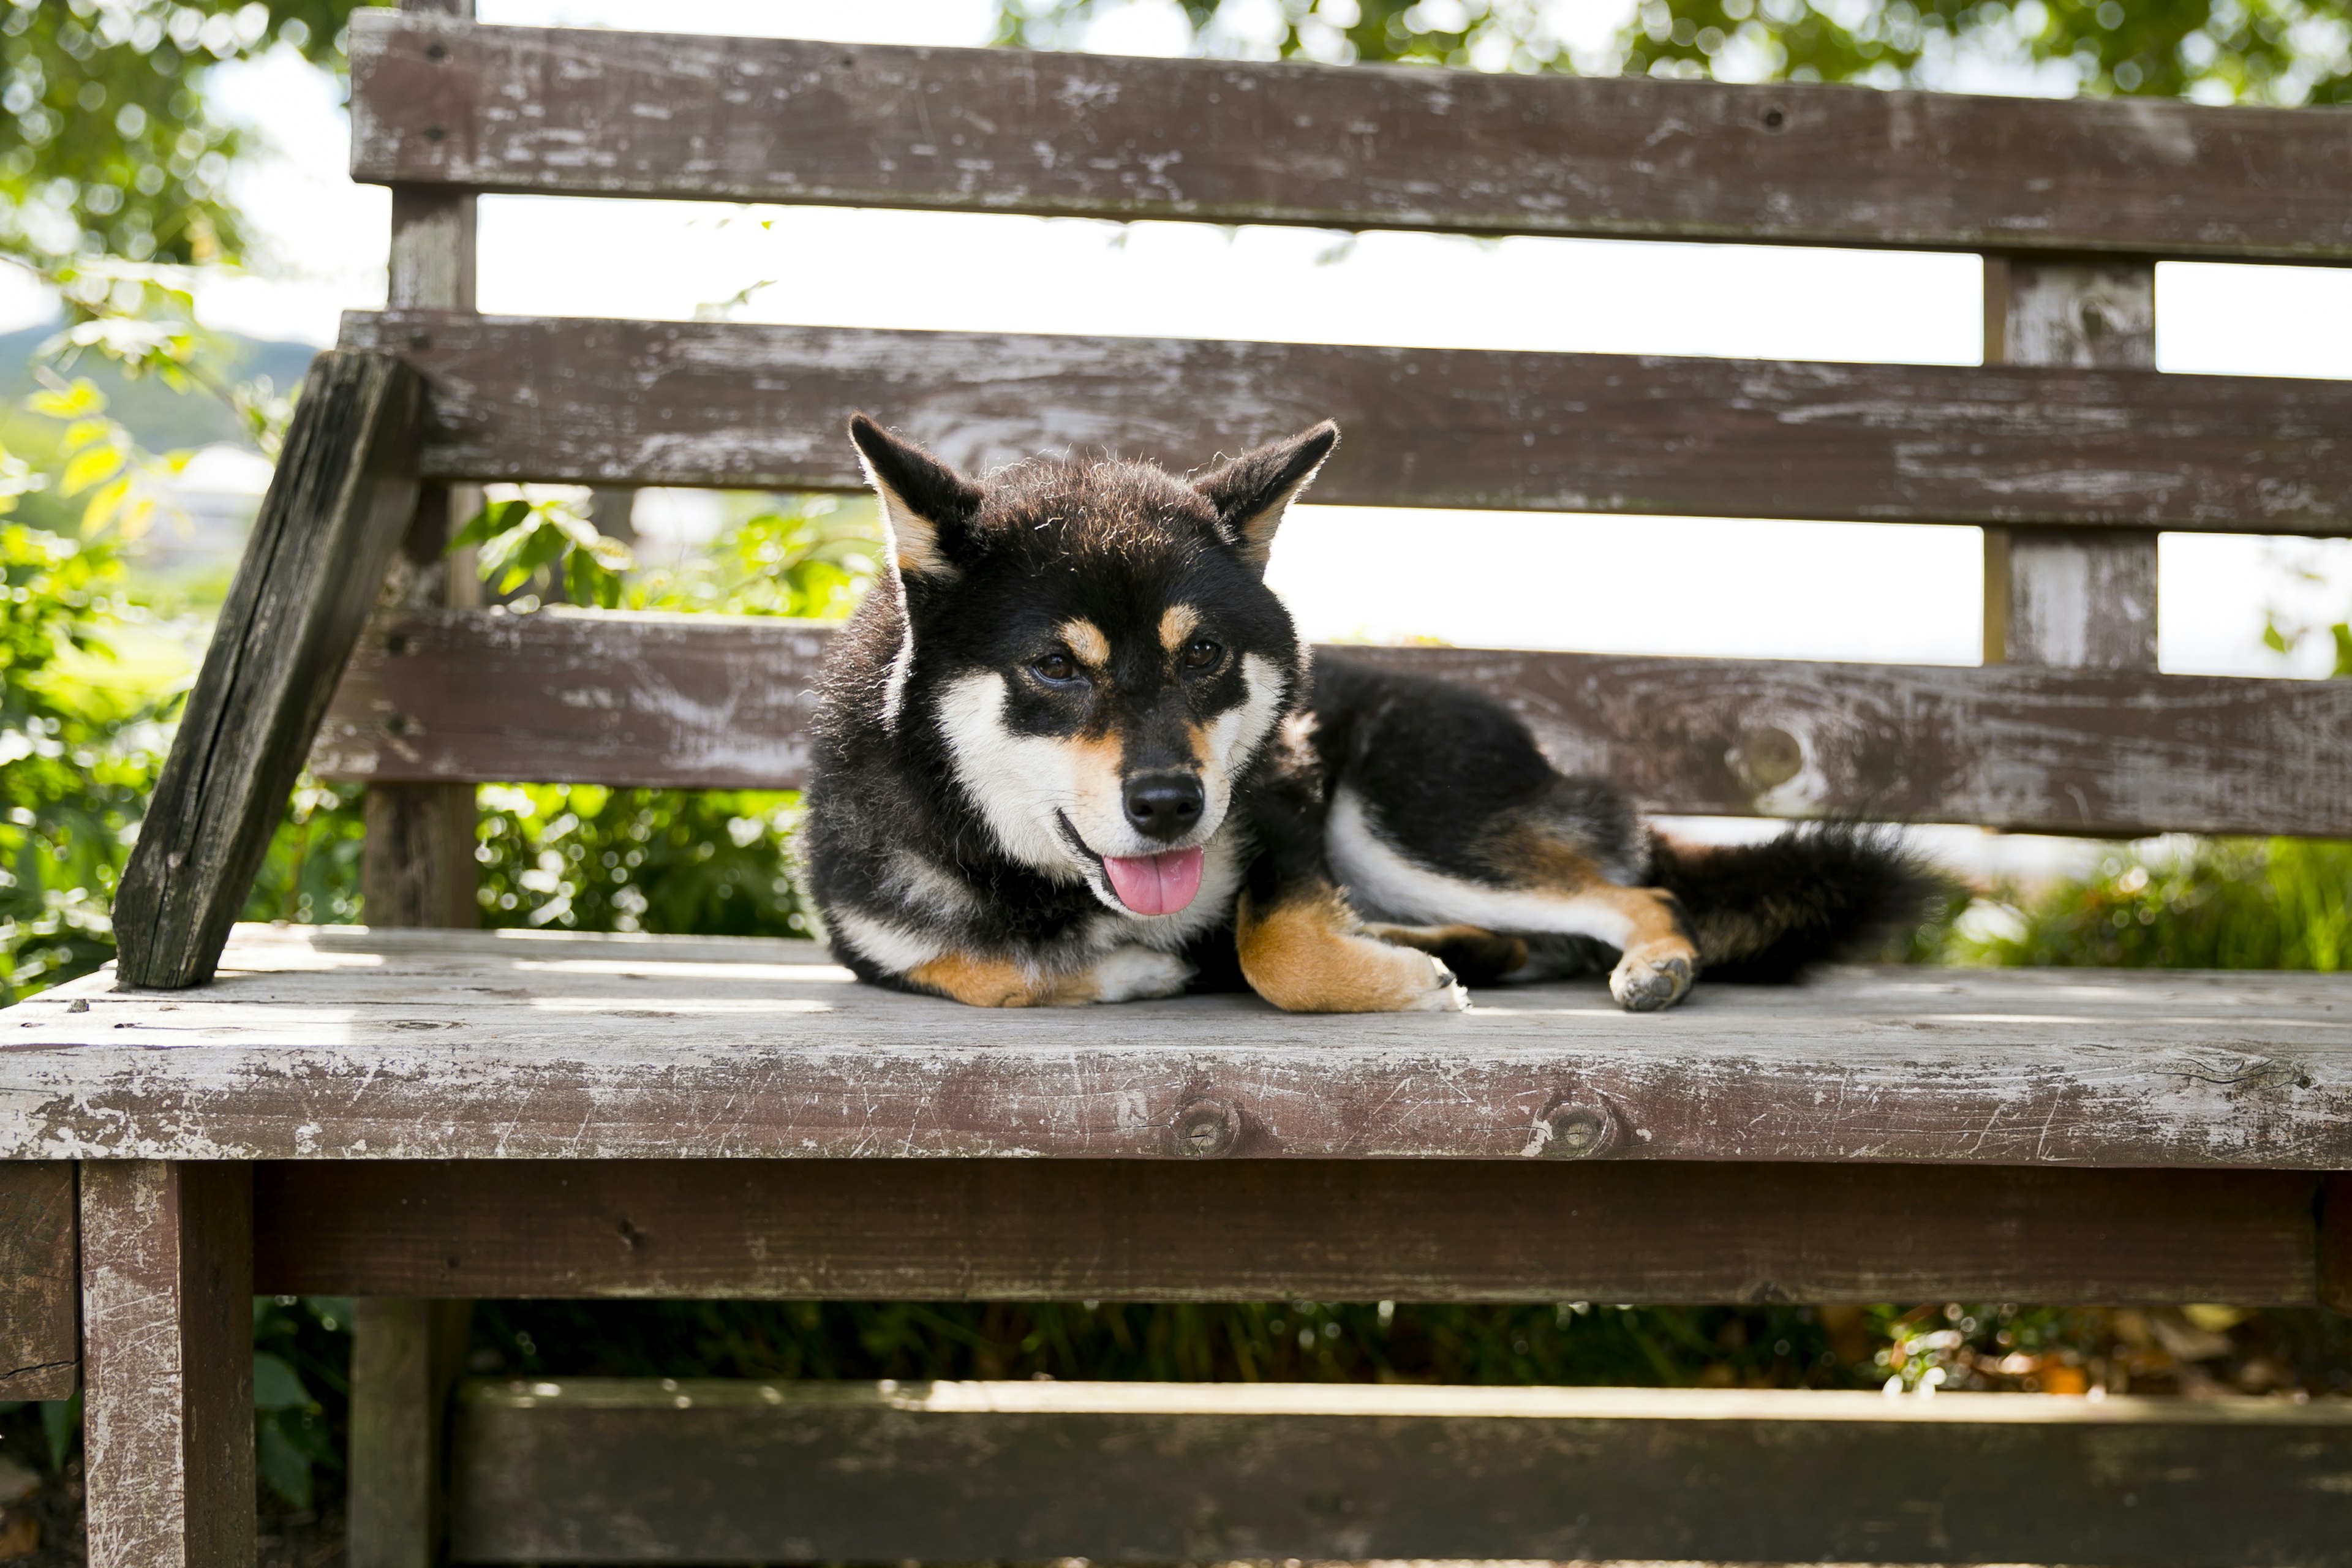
[[621, 114], [1256, 1230], [680, 403], [40, 1281], [591, 1470], [705, 701], [340, 1043], [167, 1315]]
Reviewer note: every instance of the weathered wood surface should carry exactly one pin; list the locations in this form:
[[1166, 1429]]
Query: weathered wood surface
[[603, 113], [2070, 598], [1255, 1230], [343, 491], [40, 1281], [608, 1470], [167, 1315], [341, 1042], [705, 701], [682, 702], [677, 403]]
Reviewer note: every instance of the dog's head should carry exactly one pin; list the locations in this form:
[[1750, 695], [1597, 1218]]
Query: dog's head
[[1094, 645]]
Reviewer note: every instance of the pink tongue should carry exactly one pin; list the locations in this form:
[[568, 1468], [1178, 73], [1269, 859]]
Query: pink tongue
[[1155, 884]]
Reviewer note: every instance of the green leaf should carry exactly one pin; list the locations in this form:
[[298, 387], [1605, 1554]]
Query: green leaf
[[494, 518], [81, 400], [89, 468], [2275, 639], [276, 1385], [284, 1467], [2342, 632], [101, 508], [60, 1425]]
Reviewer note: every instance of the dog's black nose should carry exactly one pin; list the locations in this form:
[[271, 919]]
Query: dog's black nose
[[1163, 806]]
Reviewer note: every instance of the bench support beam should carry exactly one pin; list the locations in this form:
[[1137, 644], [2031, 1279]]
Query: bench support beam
[[167, 1313], [40, 1289], [2070, 598]]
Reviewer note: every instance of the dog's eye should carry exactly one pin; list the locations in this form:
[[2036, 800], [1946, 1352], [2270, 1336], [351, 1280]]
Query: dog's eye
[[1200, 653], [1056, 666]]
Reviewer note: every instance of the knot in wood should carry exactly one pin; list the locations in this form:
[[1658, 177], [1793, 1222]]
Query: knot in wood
[[1767, 757], [1206, 1129], [1579, 1130]]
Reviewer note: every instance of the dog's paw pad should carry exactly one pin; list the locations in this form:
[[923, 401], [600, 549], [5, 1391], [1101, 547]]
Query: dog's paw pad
[[1645, 985]]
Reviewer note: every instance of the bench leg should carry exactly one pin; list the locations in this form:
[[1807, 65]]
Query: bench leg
[[167, 1347], [406, 1355]]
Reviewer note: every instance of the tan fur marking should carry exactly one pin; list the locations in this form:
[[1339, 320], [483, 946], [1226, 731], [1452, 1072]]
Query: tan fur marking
[[1177, 626], [1310, 955], [980, 981], [913, 539], [1086, 642], [1528, 854]]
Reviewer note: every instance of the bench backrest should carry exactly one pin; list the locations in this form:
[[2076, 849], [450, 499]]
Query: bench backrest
[[2067, 444]]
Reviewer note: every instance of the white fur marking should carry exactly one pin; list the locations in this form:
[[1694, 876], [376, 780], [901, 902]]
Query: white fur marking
[[902, 664], [890, 945], [1130, 974], [1383, 885]]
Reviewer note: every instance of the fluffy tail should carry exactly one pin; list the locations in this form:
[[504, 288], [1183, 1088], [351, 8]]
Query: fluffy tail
[[1764, 911]]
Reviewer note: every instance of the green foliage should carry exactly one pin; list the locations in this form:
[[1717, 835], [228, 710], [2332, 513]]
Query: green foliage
[[78, 754], [110, 150], [2270, 51], [2280, 903], [301, 1392], [586, 857]]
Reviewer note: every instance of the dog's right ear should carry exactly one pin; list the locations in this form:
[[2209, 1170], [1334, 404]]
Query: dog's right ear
[[927, 506]]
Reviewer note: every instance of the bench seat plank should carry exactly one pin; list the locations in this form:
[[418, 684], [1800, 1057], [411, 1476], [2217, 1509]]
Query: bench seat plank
[[438, 102], [686, 403], [344, 1042], [724, 703], [1271, 1230], [598, 1470]]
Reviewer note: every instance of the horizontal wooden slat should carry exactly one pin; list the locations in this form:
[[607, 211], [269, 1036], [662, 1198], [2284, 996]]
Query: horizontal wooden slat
[[621, 114], [608, 1470], [1347, 1230], [40, 1281], [714, 702], [677, 403], [340, 1042]]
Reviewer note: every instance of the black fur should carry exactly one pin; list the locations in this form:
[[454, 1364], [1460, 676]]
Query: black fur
[[1018, 664]]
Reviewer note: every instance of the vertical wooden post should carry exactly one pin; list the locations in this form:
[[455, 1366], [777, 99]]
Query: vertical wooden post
[[418, 871], [405, 1357], [2070, 598], [167, 1349], [418, 867]]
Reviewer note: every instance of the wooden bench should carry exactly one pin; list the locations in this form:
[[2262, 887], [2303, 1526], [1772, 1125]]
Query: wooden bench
[[417, 1115]]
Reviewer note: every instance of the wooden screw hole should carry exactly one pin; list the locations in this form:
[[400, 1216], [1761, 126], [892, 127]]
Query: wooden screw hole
[[1206, 1129], [1776, 117]]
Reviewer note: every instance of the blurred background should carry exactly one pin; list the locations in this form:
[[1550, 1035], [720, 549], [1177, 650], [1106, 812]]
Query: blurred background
[[178, 236]]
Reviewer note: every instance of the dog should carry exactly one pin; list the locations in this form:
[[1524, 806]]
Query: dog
[[1071, 750]]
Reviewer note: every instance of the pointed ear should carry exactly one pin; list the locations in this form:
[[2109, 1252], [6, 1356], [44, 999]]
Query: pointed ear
[[927, 506], [1252, 492]]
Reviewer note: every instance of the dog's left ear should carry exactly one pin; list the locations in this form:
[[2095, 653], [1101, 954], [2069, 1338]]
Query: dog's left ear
[[927, 506], [1253, 492]]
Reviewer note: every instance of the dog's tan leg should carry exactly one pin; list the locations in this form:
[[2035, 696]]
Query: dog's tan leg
[[1307, 953], [1123, 974], [1472, 952], [1659, 958]]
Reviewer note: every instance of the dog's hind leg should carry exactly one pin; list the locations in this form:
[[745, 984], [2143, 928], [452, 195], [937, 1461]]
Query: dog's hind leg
[[1526, 877], [1476, 955]]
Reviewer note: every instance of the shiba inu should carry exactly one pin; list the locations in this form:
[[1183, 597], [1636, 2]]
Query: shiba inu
[[1071, 750]]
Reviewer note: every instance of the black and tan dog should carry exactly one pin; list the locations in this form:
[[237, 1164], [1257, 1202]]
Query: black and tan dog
[[1071, 750]]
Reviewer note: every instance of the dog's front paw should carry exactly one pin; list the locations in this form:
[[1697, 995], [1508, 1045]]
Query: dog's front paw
[[1440, 993], [1648, 984], [1132, 973]]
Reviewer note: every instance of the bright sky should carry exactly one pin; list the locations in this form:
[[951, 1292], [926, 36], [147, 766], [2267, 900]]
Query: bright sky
[[1796, 590]]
